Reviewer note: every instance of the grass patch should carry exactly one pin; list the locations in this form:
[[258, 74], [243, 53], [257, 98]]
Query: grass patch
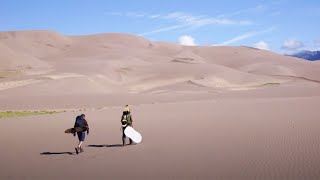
[[7, 73], [8, 114]]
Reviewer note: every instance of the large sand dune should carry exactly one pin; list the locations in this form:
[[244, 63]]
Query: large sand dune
[[204, 112], [137, 64]]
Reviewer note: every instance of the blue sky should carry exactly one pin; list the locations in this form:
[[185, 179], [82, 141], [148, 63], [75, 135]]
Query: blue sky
[[282, 26]]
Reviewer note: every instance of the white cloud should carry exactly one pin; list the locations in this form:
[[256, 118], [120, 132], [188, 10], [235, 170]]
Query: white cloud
[[262, 45], [187, 41], [292, 44], [246, 36]]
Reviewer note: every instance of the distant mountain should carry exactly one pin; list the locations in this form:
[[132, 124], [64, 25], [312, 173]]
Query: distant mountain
[[308, 55]]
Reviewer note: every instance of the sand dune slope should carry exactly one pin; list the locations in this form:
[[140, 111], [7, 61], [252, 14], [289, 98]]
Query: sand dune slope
[[123, 63]]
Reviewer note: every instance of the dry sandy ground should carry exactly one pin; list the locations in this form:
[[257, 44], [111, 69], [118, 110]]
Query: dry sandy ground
[[233, 138], [203, 112]]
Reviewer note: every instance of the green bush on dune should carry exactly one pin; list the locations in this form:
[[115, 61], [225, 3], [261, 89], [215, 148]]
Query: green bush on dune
[[7, 114]]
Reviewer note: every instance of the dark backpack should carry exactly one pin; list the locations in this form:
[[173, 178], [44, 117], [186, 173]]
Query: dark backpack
[[79, 122]]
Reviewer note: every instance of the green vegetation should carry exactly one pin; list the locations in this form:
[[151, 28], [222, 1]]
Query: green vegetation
[[8, 114], [7, 73]]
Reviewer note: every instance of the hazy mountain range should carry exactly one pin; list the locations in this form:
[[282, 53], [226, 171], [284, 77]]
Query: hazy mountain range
[[308, 55]]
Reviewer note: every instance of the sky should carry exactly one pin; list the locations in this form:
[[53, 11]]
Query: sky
[[281, 26]]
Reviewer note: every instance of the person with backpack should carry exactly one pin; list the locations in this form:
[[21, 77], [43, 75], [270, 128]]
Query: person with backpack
[[82, 123], [126, 120]]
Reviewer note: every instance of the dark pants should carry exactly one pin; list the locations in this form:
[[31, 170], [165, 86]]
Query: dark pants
[[124, 137], [81, 136]]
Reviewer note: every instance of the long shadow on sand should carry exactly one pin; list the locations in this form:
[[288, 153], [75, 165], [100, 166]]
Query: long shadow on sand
[[57, 153], [105, 145]]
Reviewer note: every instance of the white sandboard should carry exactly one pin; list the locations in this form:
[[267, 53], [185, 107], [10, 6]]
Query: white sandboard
[[133, 134]]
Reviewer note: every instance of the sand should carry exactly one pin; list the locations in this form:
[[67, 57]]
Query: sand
[[203, 112]]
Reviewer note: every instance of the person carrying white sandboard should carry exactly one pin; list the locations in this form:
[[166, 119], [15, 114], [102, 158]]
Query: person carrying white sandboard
[[127, 128]]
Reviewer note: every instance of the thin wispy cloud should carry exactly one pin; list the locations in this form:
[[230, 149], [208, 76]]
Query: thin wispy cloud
[[201, 20], [135, 14], [182, 21], [154, 16], [270, 9], [188, 21], [245, 36], [168, 28], [258, 8], [275, 13], [128, 14], [185, 22], [114, 13]]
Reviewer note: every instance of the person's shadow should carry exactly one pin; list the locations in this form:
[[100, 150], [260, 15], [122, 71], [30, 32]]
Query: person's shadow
[[57, 153], [105, 145]]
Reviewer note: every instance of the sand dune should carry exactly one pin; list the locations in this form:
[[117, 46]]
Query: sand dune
[[123, 63], [203, 112], [13, 84], [186, 56], [36, 43], [105, 53]]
